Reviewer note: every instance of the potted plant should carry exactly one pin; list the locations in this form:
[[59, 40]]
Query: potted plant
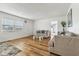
[[63, 23]]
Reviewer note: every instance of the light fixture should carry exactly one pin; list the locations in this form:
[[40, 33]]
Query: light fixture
[[25, 21]]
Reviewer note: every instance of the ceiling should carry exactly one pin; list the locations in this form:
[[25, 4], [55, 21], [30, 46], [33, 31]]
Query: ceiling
[[35, 11]]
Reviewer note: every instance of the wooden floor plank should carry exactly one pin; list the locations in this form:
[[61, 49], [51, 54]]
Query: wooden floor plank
[[30, 47]]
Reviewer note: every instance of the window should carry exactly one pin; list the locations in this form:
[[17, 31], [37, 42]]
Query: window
[[7, 25], [12, 25], [19, 25]]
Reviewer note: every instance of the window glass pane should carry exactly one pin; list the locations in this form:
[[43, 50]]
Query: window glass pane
[[8, 24], [19, 25]]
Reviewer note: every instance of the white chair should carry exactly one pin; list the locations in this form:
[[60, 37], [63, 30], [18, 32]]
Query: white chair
[[40, 34], [39, 37]]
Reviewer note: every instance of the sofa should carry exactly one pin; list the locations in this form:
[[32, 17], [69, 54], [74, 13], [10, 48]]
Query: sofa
[[64, 45]]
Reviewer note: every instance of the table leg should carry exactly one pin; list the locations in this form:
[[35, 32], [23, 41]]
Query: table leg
[[33, 37]]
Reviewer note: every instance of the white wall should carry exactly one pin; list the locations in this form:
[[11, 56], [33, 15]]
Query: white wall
[[75, 18], [44, 24], [26, 31]]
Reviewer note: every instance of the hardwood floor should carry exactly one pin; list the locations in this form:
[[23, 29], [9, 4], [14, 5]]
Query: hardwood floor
[[30, 47]]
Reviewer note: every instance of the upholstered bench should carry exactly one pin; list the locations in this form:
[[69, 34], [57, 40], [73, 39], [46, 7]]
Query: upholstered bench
[[64, 45]]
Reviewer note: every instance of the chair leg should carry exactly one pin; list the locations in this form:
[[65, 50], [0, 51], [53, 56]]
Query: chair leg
[[40, 38], [33, 37]]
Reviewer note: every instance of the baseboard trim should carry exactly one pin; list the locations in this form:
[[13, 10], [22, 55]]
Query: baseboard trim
[[25, 37], [17, 38]]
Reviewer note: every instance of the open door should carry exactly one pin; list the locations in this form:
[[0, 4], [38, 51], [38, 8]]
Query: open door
[[54, 28]]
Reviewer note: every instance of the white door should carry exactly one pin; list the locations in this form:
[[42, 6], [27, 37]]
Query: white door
[[54, 29]]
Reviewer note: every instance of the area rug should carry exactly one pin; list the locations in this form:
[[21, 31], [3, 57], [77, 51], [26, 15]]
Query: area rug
[[8, 50]]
